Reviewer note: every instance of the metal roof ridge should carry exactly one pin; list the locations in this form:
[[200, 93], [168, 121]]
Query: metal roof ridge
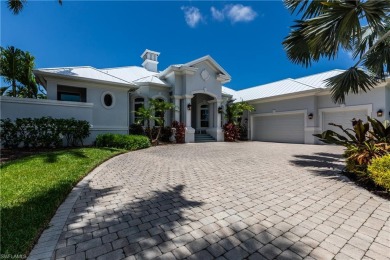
[[111, 75], [319, 73], [69, 67], [264, 84]]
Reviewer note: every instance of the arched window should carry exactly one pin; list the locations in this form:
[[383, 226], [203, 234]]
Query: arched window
[[204, 116], [138, 103], [159, 114]]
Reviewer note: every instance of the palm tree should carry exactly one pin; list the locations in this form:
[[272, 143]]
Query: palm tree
[[326, 27], [17, 5], [10, 66], [154, 112], [27, 78]]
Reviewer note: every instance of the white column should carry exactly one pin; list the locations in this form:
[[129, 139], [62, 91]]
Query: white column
[[177, 108], [190, 132], [219, 115], [188, 112], [220, 137], [211, 115]]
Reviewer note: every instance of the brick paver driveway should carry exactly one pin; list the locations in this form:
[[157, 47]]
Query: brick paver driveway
[[233, 201]]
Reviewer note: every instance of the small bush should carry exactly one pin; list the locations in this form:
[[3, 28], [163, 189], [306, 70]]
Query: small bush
[[128, 142], [231, 132], [379, 171], [180, 132]]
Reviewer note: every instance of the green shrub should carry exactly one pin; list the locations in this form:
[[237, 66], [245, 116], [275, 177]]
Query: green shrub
[[43, 132], [379, 171], [136, 129], [128, 142]]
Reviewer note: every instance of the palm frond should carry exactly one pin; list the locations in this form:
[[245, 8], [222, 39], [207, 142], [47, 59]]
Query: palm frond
[[333, 29], [296, 45], [309, 8], [353, 80], [375, 11], [378, 60], [16, 5], [3, 90]]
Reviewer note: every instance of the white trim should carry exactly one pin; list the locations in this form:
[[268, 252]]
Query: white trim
[[150, 51], [303, 112], [112, 97], [48, 102], [321, 111], [203, 92], [211, 61]]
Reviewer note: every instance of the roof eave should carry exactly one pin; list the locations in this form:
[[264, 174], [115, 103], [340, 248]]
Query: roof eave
[[42, 73]]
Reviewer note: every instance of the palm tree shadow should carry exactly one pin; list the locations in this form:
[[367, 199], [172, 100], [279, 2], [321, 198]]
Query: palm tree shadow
[[150, 219], [323, 164]]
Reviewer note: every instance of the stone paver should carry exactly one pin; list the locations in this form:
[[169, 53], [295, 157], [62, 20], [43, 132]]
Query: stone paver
[[247, 200]]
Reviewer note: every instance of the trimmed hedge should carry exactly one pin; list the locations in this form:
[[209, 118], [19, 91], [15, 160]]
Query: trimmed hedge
[[43, 132], [128, 142], [379, 171]]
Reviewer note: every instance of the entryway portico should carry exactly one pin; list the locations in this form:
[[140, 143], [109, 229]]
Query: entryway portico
[[202, 115]]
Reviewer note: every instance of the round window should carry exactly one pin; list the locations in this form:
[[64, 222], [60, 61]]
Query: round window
[[108, 100]]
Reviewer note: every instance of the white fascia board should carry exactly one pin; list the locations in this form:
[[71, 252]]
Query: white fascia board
[[311, 92], [129, 85], [223, 78], [181, 69], [211, 61]]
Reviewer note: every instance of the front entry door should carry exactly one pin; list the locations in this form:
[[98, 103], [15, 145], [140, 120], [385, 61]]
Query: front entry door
[[204, 117]]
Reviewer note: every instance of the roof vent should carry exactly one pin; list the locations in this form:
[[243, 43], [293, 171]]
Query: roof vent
[[150, 60]]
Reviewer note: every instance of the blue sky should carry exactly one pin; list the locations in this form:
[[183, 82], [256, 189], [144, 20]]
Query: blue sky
[[243, 37]]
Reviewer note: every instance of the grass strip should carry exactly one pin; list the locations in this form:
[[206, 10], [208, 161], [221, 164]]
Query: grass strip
[[33, 187]]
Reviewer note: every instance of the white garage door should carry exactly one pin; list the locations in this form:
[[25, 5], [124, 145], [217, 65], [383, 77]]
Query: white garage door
[[343, 118], [279, 128]]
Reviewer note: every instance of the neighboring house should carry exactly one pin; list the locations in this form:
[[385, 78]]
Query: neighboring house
[[290, 110]]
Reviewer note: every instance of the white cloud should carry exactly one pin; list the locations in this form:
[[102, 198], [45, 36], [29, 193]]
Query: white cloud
[[235, 13], [192, 16], [239, 13], [217, 15]]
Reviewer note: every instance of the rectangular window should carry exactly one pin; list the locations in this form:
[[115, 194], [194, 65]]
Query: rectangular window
[[66, 93]]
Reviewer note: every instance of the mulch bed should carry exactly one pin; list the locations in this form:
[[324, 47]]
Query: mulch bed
[[368, 185]]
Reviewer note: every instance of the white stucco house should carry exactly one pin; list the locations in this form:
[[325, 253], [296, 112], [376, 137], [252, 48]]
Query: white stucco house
[[290, 110]]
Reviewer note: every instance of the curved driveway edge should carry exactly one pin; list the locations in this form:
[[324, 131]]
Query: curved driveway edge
[[48, 240], [248, 200]]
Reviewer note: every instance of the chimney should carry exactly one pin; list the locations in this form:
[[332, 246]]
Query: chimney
[[150, 60]]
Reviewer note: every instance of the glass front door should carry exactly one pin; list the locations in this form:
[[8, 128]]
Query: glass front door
[[204, 116]]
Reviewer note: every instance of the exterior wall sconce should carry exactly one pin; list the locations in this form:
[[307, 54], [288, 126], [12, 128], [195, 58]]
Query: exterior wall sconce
[[189, 107], [220, 109], [310, 116], [379, 113]]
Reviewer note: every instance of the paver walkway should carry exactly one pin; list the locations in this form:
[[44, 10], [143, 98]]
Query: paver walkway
[[223, 200]]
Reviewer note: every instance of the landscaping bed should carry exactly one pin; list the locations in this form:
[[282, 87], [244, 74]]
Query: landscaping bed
[[33, 185]]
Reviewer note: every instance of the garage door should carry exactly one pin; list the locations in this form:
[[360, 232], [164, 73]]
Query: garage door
[[279, 128], [343, 118]]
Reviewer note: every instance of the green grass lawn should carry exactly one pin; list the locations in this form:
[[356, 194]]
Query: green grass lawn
[[32, 188]]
